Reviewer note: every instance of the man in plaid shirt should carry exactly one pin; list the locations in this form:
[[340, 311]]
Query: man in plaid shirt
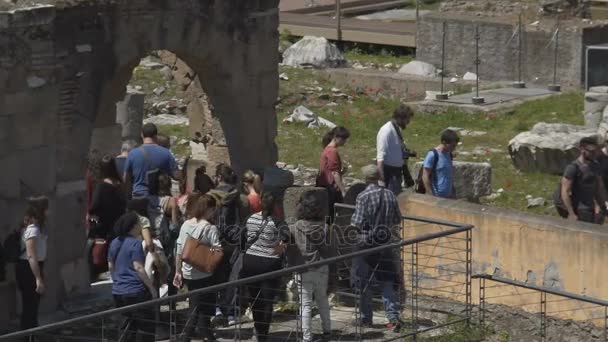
[[376, 215]]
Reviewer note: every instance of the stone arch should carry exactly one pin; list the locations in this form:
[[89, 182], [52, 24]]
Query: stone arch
[[62, 69]]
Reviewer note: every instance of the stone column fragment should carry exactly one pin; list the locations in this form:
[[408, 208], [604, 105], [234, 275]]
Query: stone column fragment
[[130, 114]]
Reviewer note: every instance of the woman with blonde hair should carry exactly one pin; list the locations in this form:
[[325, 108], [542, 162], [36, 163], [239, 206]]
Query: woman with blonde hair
[[252, 186]]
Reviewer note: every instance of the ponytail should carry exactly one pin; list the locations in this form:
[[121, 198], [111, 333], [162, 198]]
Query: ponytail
[[226, 173], [327, 138], [253, 179]]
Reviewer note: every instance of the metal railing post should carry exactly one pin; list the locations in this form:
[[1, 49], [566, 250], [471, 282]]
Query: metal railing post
[[482, 302], [339, 20], [477, 99], [468, 266], [415, 290], [605, 323], [543, 316]]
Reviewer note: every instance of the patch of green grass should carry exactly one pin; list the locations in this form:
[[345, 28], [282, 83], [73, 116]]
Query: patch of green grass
[[380, 58], [181, 132], [368, 112], [150, 79]]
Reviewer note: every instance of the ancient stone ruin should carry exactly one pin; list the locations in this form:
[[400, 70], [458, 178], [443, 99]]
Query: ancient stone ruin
[[64, 67]]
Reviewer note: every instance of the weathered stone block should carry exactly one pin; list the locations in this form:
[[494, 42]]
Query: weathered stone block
[[315, 51], [595, 102], [9, 182], [293, 194], [75, 276], [548, 148], [107, 140], [599, 89], [37, 171], [217, 154], [4, 129], [471, 180], [8, 300], [130, 114], [33, 16], [32, 129]]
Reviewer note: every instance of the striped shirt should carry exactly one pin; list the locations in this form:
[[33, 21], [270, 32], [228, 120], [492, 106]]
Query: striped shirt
[[269, 238]]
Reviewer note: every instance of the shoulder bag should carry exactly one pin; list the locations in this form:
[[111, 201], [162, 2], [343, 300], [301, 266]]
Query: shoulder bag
[[201, 256], [237, 263]]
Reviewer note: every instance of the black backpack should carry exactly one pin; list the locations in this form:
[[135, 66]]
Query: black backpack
[[12, 247]]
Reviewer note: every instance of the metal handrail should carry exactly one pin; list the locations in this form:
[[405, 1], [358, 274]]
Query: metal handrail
[[541, 289], [414, 218], [256, 278]]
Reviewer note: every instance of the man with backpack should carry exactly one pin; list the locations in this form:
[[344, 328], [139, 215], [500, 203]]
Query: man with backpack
[[378, 218], [230, 218], [581, 195], [392, 154], [143, 169], [145, 163], [438, 169]]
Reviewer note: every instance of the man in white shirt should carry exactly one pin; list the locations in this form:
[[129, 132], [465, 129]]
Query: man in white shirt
[[392, 154]]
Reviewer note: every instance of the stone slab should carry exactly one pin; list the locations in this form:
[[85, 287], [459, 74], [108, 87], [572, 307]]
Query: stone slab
[[471, 180], [107, 140], [496, 100]]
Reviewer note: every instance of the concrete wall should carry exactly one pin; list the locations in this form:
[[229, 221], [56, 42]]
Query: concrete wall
[[63, 69], [498, 52], [542, 250]]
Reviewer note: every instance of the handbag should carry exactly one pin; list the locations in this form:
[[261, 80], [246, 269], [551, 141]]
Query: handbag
[[201, 256], [99, 253]]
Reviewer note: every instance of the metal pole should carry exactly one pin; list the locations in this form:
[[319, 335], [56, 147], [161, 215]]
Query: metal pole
[[477, 99], [414, 271], [442, 95], [482, 302], [555, 86], [605, 323], [339, 20], [543, 316], [520, 52], [468, 277]]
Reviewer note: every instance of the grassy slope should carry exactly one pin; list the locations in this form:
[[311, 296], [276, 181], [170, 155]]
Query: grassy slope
[[363, 117]]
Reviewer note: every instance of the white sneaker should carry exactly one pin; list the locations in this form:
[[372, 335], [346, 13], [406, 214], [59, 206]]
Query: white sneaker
[[232, 321]]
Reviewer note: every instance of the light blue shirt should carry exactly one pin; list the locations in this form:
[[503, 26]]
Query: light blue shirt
[[442, 178]]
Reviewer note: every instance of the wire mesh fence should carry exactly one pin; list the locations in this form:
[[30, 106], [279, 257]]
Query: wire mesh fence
[[407, 286], [549, 312]]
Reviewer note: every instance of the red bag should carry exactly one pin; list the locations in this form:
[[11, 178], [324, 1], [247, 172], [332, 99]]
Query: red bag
[[99, 253]]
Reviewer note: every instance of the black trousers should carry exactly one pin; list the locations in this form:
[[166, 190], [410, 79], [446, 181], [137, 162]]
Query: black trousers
[[333, 196], [227, 297], [30, 299], [583, 215], [263, 293], [140, 324], [202, 308], [393, 177]]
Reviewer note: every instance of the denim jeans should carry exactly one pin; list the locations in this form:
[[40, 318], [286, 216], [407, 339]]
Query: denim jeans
[[363, 275], [314, 284]]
